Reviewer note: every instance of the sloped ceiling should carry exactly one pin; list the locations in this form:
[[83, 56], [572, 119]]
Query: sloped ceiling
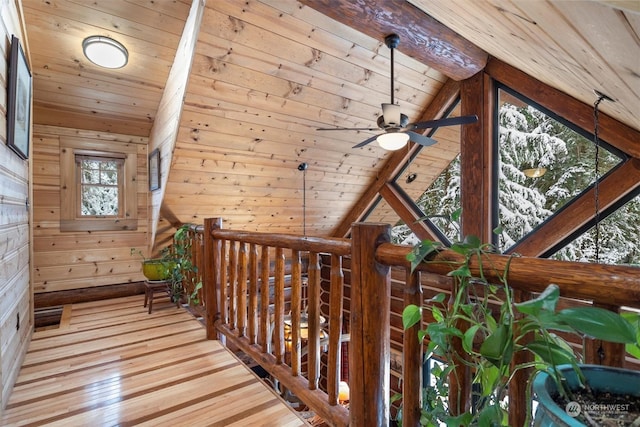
[[267, 73]]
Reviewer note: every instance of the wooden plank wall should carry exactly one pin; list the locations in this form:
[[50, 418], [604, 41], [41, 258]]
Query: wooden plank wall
[[165, 127], [84, 259], [16, 312]]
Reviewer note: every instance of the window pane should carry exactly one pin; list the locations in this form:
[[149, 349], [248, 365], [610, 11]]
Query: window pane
[[617, 239], [109, 177], [90, 176], [98, 200], [99, 194], [543, 166]]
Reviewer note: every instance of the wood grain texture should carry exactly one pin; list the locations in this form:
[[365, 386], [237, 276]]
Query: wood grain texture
[[424, 38], [112, 363]]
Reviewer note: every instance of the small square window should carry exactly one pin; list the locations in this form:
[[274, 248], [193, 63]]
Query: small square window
[[98, 187]]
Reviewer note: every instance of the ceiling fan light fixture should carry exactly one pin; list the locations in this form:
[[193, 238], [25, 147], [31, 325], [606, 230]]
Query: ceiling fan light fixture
[[393, 140], [534, 172], [105, 52]]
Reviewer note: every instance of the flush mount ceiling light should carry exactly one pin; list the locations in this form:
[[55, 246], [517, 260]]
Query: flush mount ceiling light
[[393, 140], [105, 52]]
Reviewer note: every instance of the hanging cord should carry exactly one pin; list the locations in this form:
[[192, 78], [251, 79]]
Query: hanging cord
[[596, 187], [303, 167]]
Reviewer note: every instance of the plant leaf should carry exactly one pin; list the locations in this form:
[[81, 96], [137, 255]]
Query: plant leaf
[[438, 298], [469, 335], [551, 353], [498, 347], [547, 300], [599, 323], [490, 416], [411, 315], [437, 314]]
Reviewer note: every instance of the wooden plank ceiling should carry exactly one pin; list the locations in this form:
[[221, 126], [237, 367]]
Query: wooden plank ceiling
[[267, 73]]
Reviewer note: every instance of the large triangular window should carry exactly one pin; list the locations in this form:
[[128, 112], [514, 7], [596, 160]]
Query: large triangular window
[[544, 164]]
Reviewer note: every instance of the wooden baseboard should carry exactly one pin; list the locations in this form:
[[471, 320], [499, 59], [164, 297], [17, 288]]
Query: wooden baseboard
[[50, 299]]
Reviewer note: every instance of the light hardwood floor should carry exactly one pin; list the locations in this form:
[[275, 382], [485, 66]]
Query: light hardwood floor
[[112, 364]]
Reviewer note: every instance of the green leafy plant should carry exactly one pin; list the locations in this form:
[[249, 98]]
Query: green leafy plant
[[483, 320], [183, 270]]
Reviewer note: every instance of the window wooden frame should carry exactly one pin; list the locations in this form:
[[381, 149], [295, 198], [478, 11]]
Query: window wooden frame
[[70, 219]]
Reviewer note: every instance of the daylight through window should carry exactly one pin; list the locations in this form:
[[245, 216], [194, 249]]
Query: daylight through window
[[100, 179]]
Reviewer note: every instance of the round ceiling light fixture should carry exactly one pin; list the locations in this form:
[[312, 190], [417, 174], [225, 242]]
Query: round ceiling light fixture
[[392, 141], [105, 52]]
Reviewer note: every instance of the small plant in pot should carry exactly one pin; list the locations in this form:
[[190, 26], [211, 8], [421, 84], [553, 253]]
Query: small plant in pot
[[153, 268], [497, 331], [182, 268]]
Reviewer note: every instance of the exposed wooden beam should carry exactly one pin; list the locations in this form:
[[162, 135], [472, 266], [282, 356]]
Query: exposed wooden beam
[[423, 38], [475, 159], [445, 98], [404, 207]]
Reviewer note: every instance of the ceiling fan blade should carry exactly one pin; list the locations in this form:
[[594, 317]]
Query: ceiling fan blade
[[365, 142], [421, 139], [369, 129], [449, 121]]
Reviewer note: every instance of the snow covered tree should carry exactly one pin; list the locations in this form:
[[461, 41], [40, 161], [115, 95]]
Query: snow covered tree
[[530, 138]]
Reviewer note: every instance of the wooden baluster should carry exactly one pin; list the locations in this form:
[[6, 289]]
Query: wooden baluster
[[265, 316], [233, 278], [224, 283], [412, 357], [253, 292], [336, 293], [296, 308], [370, 334], [211, 276], [279, 306], [313, 313], [200, 264], [518, 403], [242, 289]]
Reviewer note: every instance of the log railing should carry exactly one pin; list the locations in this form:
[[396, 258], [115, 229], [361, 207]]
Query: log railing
[[248, 301], [246, 306]]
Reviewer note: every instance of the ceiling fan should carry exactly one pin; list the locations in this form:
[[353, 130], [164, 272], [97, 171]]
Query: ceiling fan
[[397, 130]]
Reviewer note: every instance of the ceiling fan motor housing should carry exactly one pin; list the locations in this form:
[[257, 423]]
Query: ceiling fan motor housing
[[404, 121]]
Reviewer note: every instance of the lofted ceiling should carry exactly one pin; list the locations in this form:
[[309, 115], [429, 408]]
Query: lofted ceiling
[[266, 74]]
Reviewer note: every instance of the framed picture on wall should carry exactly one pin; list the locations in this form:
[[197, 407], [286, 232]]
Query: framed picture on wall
[[154, 170], [19, 101]]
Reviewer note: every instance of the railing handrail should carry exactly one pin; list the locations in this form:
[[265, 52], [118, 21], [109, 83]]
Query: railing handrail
[[534, 274], [338, 246]]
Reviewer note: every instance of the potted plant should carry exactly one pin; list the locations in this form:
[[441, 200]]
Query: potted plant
[[611, 398], [497, 329], [182, 270], [153, 268]]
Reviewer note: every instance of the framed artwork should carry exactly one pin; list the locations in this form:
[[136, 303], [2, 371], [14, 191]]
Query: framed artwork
[[154, 170], [19, 101]]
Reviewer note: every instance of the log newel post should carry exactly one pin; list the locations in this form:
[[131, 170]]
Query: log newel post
[[412, 357], [211, 275], [369, 351]]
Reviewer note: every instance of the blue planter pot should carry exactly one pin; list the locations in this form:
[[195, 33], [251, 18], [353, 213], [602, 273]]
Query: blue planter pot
[[601, 378]]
